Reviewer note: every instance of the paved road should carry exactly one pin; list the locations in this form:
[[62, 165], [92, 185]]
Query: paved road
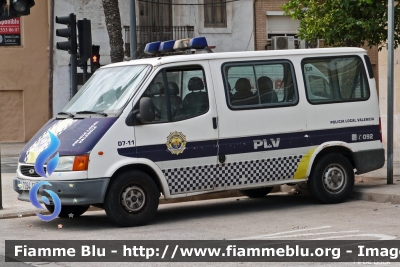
[[9, 165], [275, 217]]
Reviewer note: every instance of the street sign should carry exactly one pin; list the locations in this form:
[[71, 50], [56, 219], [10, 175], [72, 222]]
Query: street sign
[[10, 32]]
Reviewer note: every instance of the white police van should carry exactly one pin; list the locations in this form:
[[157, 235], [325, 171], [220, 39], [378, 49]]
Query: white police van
[[192, 124]]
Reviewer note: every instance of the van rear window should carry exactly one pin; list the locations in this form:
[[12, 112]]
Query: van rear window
[[260, 84], [335, 79]]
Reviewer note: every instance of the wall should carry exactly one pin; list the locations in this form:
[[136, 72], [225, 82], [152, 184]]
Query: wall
[[24, 78], [260, 9], [383, 68], [237, 36]]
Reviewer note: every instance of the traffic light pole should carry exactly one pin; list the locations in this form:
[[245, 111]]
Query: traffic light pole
[[85, 77], [390, 92], [74, 74], [132, 26]]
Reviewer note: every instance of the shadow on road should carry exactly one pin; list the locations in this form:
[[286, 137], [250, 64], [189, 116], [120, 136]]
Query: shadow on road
[[193, 211], [231, 206]]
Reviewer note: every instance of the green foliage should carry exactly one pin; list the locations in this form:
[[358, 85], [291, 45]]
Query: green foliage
[[344, 22]]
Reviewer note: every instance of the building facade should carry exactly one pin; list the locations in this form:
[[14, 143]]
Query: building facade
[[24, 76], [269, 21], [159, 20], [32, 90]]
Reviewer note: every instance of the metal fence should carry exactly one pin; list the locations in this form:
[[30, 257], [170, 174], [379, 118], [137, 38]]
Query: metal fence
[[148, 34]]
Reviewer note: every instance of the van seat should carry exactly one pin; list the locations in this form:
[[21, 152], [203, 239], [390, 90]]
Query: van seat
[[244, 95], [174, 97], [195, 102], [266, 88]]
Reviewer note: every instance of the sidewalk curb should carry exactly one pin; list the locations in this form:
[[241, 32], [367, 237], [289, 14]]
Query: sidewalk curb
[[13, 215], [375, 197]]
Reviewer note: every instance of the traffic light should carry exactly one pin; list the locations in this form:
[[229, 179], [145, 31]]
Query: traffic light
[[21, 7], [95, 58], [70, 33], [85, 40]]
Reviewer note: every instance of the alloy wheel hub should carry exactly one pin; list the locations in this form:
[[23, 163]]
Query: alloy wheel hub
[[133, 198], [334, 178]]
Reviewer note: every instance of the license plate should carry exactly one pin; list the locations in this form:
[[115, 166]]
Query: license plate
[[26, 185]]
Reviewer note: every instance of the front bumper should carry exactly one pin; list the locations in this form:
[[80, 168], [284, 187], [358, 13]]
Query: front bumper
[[83, 192]]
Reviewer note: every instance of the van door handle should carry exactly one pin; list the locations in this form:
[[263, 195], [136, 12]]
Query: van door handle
[[214, 121]]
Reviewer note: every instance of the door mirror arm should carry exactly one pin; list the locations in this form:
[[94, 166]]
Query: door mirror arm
[[131, 118]]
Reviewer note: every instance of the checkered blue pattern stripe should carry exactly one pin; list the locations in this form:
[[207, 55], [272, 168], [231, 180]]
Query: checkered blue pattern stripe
[[198, 178]]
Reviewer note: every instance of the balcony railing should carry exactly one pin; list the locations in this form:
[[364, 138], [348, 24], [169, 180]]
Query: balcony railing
[[148, 34]]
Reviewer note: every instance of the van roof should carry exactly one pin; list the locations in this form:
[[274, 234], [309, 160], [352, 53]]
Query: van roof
[[155, 61]]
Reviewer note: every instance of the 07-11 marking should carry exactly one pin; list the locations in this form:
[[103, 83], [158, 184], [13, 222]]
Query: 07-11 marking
[[126, 143]]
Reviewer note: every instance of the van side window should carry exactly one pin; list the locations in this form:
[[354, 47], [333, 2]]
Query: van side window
[[260, 84], [181, 96], [335, 79], [319, 87]]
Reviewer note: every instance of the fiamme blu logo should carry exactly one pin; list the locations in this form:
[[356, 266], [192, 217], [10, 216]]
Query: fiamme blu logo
[[45, 172]]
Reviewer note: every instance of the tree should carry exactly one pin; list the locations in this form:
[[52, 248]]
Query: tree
[[344, 22], [113, 24]]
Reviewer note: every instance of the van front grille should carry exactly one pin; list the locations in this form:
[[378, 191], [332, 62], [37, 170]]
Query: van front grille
[[29, 170]]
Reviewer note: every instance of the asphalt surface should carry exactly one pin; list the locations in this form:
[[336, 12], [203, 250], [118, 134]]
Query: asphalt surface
[[276, 217]]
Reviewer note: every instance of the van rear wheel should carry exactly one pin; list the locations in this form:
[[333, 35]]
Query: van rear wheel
[[257, 192], [132, 199], [332, 179]]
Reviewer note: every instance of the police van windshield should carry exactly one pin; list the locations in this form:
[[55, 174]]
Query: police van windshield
[[108, 90]]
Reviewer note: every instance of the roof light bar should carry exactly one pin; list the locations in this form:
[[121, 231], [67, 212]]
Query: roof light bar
[[167, 46], [181, 44], [152, 48], [178, 47], [198, 43]]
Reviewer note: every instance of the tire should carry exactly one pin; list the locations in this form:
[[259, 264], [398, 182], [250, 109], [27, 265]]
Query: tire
[[66, 210], [257, 192], [332, 179], [132, 199]]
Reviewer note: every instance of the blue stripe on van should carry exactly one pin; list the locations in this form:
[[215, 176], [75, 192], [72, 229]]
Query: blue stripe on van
[[241, 145], [161, 153], [193, 150]]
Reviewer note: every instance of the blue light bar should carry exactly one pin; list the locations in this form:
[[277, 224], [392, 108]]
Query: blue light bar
[[152, 48], [167, 46], [198, 43]]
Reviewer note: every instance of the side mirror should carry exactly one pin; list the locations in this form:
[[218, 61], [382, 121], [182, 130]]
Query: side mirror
[[146, 110]]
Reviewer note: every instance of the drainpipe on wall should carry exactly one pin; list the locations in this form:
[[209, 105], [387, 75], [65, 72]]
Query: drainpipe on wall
[[255, 24], [51, 68]]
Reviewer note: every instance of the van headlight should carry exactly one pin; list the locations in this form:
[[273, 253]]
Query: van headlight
[[65, 164], [73, 163]]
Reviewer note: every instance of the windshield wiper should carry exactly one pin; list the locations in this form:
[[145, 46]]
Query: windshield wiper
[[92, 112], [66, 113]]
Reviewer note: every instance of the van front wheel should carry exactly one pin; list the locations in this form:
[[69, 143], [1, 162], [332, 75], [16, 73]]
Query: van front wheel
[[332, 179], [132, 199]]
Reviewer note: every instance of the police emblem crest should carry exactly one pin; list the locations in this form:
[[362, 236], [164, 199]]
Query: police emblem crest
[[176, 143]]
